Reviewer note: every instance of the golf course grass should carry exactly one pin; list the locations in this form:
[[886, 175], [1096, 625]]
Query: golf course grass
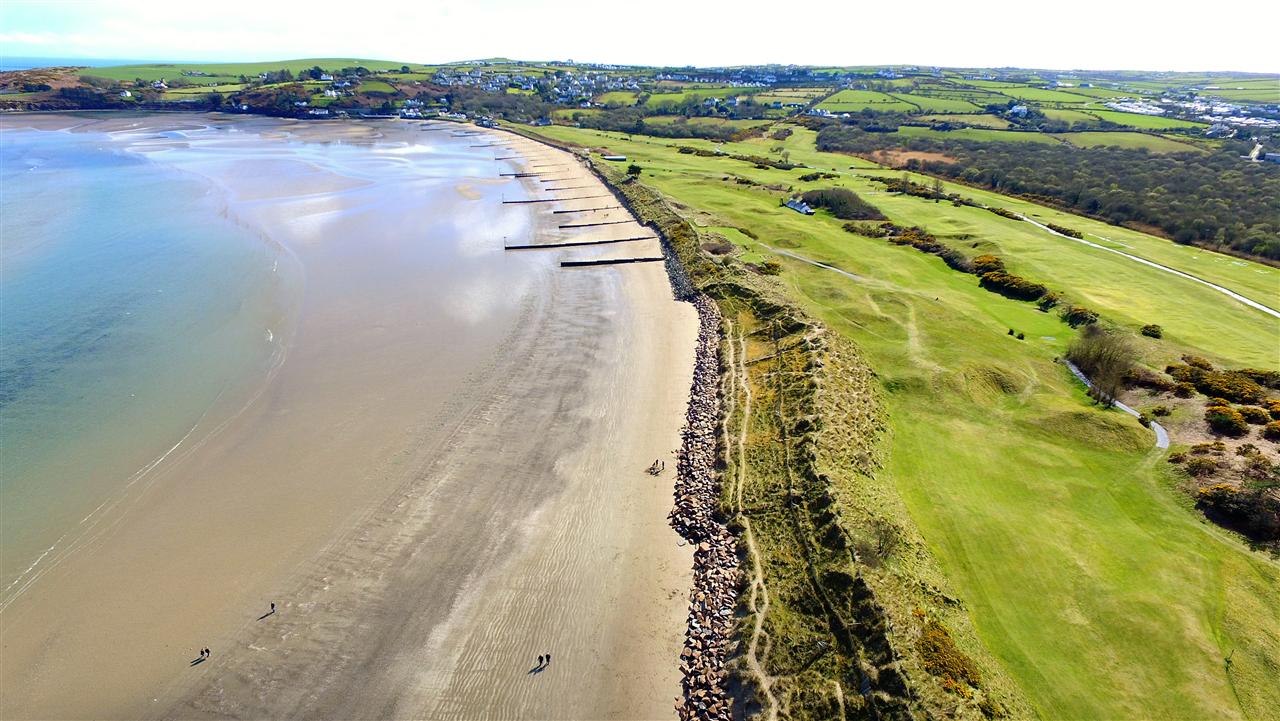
[[1099, 592]]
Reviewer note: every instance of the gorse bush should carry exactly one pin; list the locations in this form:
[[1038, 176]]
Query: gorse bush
[[1255, 415], [1225, 420], [1271, 431], [1152, 331], [1234, 386], [987, 264], [1012, 286], [1078, 315]]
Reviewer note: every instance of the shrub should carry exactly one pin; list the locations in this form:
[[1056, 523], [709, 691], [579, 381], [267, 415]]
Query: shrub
[[1161, 411], [1078, 315], [1177, 457], [843, 203], [942, 658], [1049, 300], [1253, 512], [1233, 386], [1065, 230], [807, 177], [1003, 213], [987, 264], [1011, 286], [1270, 379], [1021, 336], [1152, 330], [1197, 362], [1144, 420], [1215, 447], [781, 134], [1246, 449], [1226, 421], [1184, 390], [1010, 331], [1271, 431], [1255, 415], [770, 267], [1199, 467]]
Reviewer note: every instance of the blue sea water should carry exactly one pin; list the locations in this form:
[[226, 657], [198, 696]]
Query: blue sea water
[[133, 308], [15, 62]]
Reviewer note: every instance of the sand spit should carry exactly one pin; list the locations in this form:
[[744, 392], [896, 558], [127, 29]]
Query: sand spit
[[444, 480]]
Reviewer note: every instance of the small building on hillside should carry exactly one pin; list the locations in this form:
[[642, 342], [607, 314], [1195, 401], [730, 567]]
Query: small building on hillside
[[799, 206]]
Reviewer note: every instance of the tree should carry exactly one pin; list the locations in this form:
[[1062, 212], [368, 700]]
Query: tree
[[634, 170], [214, 100], [1105, 358]]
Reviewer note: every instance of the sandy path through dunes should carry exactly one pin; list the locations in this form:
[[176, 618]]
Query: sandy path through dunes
[[444, 479]]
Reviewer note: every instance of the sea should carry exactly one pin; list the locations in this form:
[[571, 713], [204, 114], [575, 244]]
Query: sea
[[10, 62], [133, 307]]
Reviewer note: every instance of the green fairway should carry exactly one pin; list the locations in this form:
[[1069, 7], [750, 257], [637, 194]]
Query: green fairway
[[1154, 143], [1101, 594]]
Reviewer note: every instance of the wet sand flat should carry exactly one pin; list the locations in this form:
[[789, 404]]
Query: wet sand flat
[[442, 479]]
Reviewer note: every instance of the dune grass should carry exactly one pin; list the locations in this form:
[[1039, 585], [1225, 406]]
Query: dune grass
[[1094, 586]]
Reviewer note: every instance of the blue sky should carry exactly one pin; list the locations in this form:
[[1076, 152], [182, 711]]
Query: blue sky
[[1090, 34]]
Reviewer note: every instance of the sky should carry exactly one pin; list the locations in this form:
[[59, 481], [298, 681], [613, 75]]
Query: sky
[[1082, 34]]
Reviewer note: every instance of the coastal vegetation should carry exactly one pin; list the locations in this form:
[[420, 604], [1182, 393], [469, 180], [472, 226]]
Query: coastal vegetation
[[939, 465]]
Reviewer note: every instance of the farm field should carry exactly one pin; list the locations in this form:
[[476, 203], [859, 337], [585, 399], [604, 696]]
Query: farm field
[[848, 101], [986, 121], [1099, 593], [983, 134], [1070, 116], [616, 97], [1145, 122], [1154, 143], [937, 105], [230, 72]]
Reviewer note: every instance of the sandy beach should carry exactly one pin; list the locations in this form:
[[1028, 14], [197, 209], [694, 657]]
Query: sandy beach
[[442, 478]]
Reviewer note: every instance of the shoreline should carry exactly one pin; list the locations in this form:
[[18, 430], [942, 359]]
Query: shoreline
[[413, 537]]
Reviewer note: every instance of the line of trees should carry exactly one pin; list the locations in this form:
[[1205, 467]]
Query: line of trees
[[1212, 199]]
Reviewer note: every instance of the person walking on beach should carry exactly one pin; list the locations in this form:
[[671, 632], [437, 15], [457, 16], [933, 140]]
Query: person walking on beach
[[539, 661], [273, 606], [548, 659]]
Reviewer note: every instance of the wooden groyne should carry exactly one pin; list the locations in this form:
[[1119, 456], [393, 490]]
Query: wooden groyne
[[608, 261], [587, 210], [603, 222], [567, 187], [577, 243]]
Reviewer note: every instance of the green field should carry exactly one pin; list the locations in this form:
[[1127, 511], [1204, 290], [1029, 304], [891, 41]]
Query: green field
[[1041, 95], [1069, 116], [616, 97], [1145, 122], [229, 72], [1154, 143], [1099, 592], [937, 105], [850, 101], [994, 122], [983, 134], [699, 93]]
